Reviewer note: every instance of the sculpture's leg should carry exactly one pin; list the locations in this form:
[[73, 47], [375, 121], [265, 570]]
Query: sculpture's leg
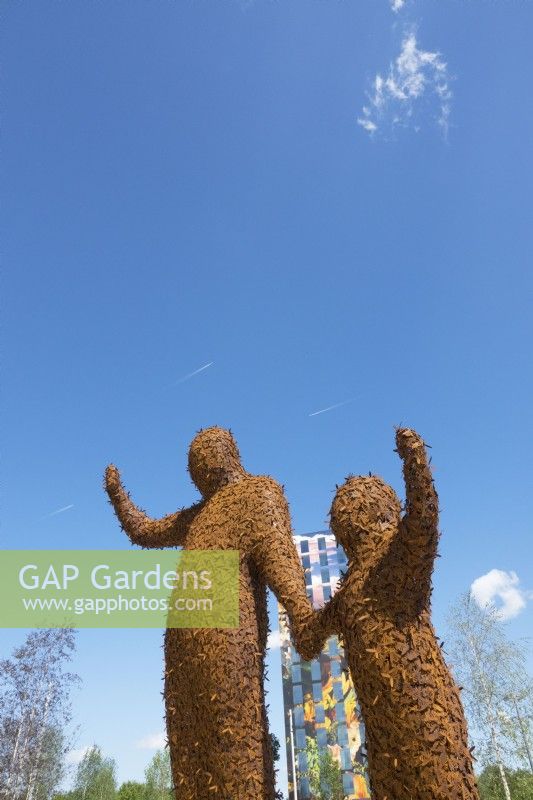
[[216, 719]]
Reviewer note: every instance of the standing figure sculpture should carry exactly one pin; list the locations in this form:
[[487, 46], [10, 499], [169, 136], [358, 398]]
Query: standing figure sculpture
[[416, 733], [215, 703]]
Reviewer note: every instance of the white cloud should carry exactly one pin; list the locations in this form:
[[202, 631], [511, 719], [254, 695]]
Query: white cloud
[[416, 77], [274, 640], [503, 587], [77, 755], [367, 124], [154, 741], [397, 5]]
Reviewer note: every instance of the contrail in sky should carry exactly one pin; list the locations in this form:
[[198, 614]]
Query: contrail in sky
[[59, 511], [330, 408], [196, 371]]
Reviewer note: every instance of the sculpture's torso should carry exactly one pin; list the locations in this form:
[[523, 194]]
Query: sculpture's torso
[[214, 677], [416, 734]]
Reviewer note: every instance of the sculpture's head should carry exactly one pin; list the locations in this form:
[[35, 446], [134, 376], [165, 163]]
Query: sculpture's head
[[364, 516], [214, 460]]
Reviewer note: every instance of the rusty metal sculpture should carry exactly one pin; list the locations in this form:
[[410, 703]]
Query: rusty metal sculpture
[[214, 680], [415, 727], [214, 692]]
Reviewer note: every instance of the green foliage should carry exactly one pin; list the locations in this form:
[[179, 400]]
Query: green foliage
[[95, 777], [323, 772], [276, 755], [333, 733], [331, 778], [158, 777], [96, 780], [313, 765], [276, 746], [132, 790], [360, 768], [490, 785]]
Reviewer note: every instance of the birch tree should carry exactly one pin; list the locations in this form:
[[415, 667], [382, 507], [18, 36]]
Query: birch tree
[[95, 777], [35, 714], [497, 690], [158, 777]]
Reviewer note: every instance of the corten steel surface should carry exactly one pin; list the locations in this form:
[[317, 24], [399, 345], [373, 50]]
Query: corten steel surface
[[215, 704], [416, 733]]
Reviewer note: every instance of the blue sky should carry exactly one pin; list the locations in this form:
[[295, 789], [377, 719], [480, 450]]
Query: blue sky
[[188, 183]]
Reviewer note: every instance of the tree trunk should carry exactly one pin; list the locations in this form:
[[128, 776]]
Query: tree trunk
[[40, 737], [505, 785], [14, 756], [492, 723]]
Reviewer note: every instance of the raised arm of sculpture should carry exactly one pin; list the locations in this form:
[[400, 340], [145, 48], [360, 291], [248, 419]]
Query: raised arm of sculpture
[[422, 502], [411, 558], [276, 558], [168, 531]]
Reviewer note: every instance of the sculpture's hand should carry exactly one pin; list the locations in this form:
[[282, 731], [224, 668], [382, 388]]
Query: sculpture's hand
[[112, 480], [406, 441], [304, 634], [311, 634]]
